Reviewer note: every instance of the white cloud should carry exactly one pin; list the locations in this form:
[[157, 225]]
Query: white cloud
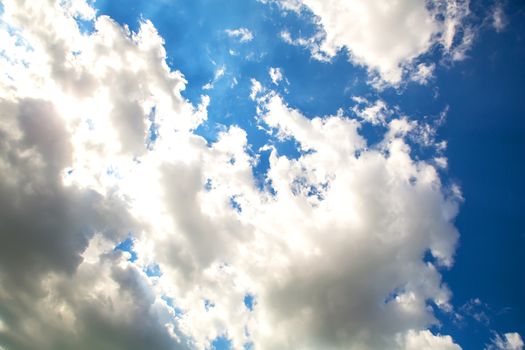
[[243, 34], [509, 341], [327, 210], [234, 82], [66, 120], [425, 340], [276, 75], [499, 19], [219, 73], [331, 249], [256, 89], [288, 5], [386, 37], [423, 73], [375, 113]]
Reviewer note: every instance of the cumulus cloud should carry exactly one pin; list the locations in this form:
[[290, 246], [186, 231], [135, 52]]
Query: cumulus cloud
[[386, 38], [243, 34], [337, 217], [341, 248]]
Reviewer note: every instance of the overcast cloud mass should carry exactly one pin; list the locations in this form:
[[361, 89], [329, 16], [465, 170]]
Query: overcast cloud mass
[[123, 227]]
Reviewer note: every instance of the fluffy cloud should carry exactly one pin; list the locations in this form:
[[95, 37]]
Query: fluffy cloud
[[386, 38], [98, 146], [348, 271]]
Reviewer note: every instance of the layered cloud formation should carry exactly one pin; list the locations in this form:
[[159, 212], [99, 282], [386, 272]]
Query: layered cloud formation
[[121, 228]]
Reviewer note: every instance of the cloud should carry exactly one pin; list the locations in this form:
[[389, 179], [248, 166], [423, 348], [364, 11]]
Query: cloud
[[475, 309], [423, 73], [340, 248], [243, 34], [288, 5], [276, 75], [499, 19], [375, 113], [345, 189], [388, 39], [425, 340], [74, 108], [219, 73], [256, 89], [509, 341]]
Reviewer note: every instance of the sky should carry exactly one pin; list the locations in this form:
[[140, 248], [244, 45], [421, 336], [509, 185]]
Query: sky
[[262, 174]]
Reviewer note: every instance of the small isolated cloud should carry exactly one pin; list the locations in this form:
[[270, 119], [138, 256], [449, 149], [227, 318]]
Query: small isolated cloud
[[507, 341], [276, 75], [255, 89], [234, 82], [243, 34], [499, 19]]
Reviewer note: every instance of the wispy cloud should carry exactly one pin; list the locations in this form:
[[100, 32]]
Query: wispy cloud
[[243, 34]]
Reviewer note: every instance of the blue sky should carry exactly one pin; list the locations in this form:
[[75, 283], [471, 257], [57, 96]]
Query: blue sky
[[202, 238]]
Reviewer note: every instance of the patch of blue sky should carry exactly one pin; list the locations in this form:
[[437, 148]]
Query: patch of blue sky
[[234, 203], [85, 26], [208, 185], [484, 130], [289, 147], [221, 343], [208, 304], [127, 246], [153, 270], [153, 132], [171, 303], [260, 169], [249, 301]]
